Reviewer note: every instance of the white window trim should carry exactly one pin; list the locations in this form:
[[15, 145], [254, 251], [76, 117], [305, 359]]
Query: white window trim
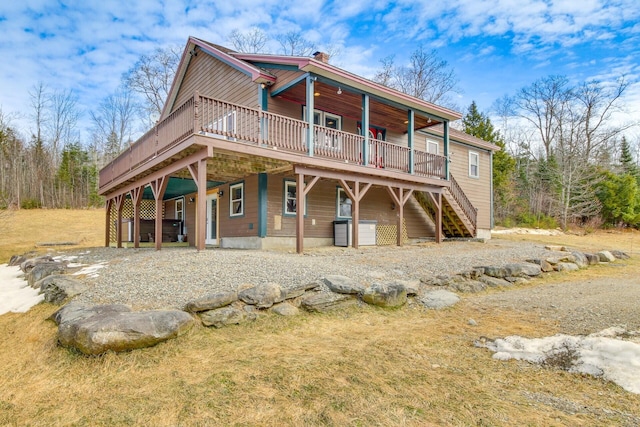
[[232, 200], [338, 194], [477, 164], [179, 200], [286, 198], [433, 142]]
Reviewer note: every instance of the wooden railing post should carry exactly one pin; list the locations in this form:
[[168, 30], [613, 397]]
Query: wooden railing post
[[196, 111]]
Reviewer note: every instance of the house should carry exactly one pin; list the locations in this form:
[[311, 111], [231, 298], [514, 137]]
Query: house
[[246, 140]]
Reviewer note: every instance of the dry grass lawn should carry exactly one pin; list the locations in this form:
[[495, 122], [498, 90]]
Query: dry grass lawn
[[359, 367], [21, 230]]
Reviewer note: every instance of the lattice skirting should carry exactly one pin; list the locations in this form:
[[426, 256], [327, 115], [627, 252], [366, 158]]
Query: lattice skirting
[[147, 211], [387, 234]]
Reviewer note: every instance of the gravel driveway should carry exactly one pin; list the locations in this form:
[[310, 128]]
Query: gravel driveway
[[145, 278]]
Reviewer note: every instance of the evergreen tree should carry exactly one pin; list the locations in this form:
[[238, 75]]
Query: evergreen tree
[[626, 159]]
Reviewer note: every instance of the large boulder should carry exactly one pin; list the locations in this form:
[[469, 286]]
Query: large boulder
[[545, 266], [466, 285], [564, 258], [285, 309], [620, 254], [74, 311], [122, 331], [262, 296], [592, 259], [42, 270], [326, 301], [29, 263], [581, 259], [567, 266], [412, 286], [606, 256], [59, 287], [494, 282], [385, 295], [298, 290], [222, 317], [16, 260], [211, 301], [494, 271], [522, 269], [343, 285], [438, 299]]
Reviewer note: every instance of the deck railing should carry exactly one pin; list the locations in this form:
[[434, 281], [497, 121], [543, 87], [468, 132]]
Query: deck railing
[[239, 123], [463, 201]]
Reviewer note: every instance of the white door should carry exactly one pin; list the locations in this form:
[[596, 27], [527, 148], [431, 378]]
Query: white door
[[212, 220]]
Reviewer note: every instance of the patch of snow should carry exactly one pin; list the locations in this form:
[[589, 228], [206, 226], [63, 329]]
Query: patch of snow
[[15, 293], [522, 230], [602, 354], [90, 270]]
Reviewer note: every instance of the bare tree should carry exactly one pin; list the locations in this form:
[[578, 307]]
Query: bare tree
[[63, 119], [426, 76], [252, 41], [113, 122], [293, 43], [151, 78]]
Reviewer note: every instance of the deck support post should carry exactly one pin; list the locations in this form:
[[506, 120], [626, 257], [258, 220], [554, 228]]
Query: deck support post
[[107, 230], [198, 171], [136, 199], [356, 194], [301, 193], [158, 187], [436, 199], [119, 204]]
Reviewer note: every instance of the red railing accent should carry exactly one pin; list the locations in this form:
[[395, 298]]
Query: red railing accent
[[235, 122]]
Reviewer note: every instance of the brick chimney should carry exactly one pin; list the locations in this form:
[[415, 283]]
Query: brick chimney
[[321, 56]]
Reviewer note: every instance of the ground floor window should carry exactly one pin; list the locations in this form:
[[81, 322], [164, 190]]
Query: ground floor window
[[236, 199], [343, 204]]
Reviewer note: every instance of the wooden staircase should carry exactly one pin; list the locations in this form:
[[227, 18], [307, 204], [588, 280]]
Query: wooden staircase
[[459, 216]]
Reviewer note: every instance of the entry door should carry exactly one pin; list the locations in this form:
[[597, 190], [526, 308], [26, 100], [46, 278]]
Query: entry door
[[212, 220]]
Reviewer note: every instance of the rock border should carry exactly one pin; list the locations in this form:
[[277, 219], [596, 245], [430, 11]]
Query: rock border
[[94, 330]]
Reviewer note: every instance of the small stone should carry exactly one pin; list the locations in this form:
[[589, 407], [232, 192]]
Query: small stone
[[494, 271], [262, 296], [567, 266], [606, 256], [438, 299], [494, 282], [222, 317], [555, 248], [299, 290], [385, 295], [616, 253], [325, 301], [59, 287], [472, 322], [592, 259], [44, 269], [581, 259], [211, 302]]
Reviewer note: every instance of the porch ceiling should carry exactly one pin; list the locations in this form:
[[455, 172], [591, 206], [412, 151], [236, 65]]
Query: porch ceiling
[[349, 104]]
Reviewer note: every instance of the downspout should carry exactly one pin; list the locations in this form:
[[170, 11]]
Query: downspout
[[492, 224]]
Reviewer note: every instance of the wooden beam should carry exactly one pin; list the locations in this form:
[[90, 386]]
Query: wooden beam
[[158, 187], [119, 204], [107, 231], [201, 224], [437, 202], [299, 213], [136, 199], [400, 217]]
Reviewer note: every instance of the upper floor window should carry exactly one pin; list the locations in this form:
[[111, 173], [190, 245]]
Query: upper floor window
[[236, 199], [474, 164], [432, 146]]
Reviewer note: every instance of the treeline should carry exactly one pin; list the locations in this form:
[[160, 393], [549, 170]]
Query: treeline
[[57, 165], [565, 158]]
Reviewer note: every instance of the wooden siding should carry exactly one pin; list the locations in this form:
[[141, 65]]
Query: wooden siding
[[321, 207], [240, 226], [283, 77], [216, 79], [478, 190]]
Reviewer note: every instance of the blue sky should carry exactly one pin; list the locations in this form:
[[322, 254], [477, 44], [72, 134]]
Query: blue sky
[[495, 46]]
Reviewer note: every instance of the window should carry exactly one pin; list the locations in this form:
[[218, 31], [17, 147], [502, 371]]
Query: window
[[236, 199], [474, 165], [432, 146], [179, 209], [343, 204], [325, 139], [290, 201]]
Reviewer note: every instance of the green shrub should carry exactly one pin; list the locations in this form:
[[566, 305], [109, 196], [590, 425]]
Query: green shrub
[[30, 204], [527, 219]]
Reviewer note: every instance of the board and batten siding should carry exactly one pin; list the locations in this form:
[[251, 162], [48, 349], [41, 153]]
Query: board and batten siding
[[321, 206], [215, 79]]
